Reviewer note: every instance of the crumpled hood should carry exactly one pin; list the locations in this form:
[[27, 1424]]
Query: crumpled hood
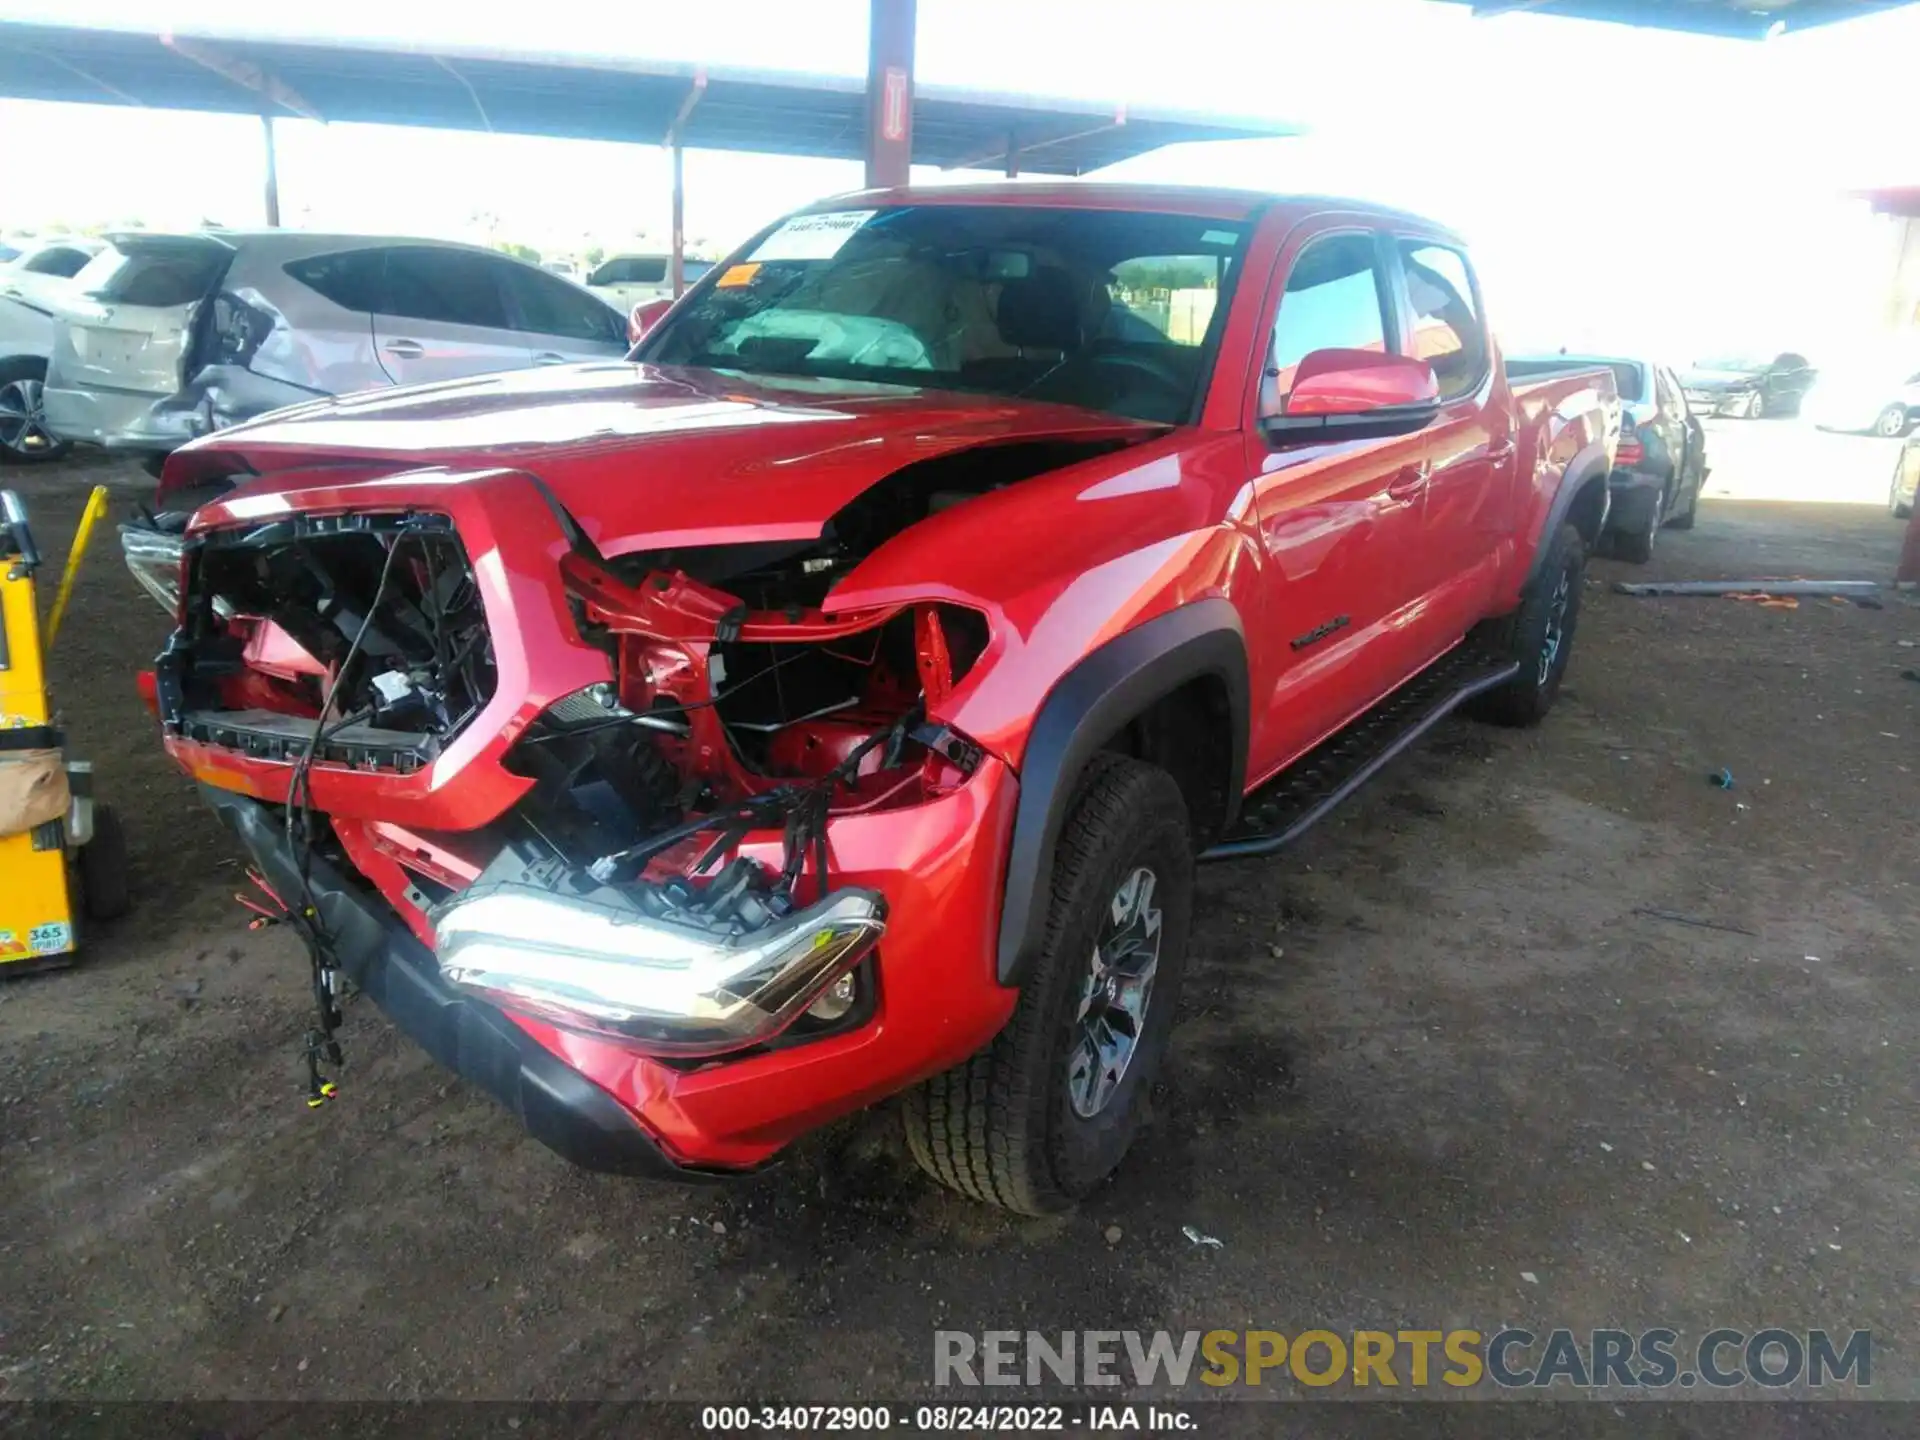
[[645, 456]]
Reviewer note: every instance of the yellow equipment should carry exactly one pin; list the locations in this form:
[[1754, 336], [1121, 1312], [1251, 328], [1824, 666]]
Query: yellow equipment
[[51, 832]]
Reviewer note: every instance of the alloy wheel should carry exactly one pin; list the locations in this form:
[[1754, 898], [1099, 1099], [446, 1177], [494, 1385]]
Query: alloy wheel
[[23, 429], [1112, 1013], [1892, 423], [1556, 625]]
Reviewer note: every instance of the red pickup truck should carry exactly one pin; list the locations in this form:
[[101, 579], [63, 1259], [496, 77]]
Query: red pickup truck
[[831, 701]]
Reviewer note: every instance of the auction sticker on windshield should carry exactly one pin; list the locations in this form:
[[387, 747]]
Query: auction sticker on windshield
[[812, 237]]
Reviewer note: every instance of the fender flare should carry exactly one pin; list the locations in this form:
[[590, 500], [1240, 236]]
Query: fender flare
[[1089, 705], [1591, 463]]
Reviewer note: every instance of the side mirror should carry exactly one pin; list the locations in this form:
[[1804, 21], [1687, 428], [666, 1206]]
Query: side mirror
[[1354, 395], [644, 317]]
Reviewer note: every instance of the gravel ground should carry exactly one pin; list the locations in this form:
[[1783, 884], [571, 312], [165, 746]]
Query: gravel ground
[[1437, 1067]]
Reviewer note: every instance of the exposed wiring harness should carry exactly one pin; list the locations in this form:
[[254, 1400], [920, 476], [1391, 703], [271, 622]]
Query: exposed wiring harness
[[305, 915], [805, 808]]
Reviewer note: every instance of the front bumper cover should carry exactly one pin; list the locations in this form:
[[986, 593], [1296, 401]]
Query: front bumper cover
[[559, 1107]]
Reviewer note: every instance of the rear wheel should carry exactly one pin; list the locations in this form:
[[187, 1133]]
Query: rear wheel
[[1636, 546], [24, 437], [1542, 636], [1047, 1111], [1891, 422]]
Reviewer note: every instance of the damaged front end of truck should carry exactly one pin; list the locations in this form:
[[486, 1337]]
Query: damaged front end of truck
[[654, 809]]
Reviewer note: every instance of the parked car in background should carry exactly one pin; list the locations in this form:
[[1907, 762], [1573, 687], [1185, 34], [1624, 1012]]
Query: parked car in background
[[1749, 387], [928, 591], [166, 337], [630, 280], [30, 284], [1882, 399], [1906, 479], [1661, 464]]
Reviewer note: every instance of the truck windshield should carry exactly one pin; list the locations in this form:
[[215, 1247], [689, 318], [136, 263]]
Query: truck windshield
[[1105, 309]]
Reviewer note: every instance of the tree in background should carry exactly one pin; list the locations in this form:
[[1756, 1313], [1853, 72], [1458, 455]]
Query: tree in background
[[518, 251]]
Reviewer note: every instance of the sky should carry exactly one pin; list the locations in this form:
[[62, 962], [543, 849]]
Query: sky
[[1670, 194]]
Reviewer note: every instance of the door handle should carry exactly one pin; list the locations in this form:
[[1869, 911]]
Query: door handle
[[1411, 480], [550, 357], [405, 349]]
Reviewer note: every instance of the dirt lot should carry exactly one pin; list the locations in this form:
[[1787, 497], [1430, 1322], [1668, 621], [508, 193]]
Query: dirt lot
[[1436, 1068]]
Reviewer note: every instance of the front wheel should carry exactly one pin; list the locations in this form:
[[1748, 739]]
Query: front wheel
[[1542, 636], [1891, 423], [1047, 1111]]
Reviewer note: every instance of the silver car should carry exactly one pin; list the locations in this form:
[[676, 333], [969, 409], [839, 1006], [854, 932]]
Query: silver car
[[169, 337]]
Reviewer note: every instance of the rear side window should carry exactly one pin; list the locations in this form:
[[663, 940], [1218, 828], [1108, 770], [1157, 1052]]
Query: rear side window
[[157, 276], [547, 305], [1447, 330], [455, 287], [354, 279], [61, 260], [1332, 302]]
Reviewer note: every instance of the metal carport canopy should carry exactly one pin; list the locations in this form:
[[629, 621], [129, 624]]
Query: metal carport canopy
[[1734, 19], [577, 96]]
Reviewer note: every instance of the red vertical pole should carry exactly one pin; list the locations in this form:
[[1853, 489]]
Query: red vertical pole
[[889, 92]]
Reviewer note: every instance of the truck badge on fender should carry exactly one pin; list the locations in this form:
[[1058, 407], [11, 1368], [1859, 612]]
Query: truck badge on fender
[[1321, 632]]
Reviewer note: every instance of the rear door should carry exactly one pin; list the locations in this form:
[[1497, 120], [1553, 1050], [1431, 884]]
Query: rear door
[[1676, 440], [1467, 453], [130, 314], [444, 315], [559, 321]]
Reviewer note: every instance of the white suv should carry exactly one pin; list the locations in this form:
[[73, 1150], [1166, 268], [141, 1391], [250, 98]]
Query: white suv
[[164, 338], [625, 281], [30, 284]]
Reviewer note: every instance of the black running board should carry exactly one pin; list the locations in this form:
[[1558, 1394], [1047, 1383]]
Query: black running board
[[1302, 795]]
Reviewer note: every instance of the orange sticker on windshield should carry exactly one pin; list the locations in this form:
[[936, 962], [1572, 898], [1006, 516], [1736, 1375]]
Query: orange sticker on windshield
[[737, 275]]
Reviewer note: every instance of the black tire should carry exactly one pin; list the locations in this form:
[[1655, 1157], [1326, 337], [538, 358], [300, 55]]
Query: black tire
[[25, 441], [1756, 407], [1003, 1127], [1528, 696], [103, 868], [1891, 423], [1636, 547]]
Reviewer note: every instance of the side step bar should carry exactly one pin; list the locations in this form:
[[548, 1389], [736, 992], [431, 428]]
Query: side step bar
[[1302, 795]]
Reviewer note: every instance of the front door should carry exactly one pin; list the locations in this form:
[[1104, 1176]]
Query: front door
[[1339, 520]]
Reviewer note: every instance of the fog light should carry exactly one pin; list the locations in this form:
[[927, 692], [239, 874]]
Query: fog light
[[835, 1002]]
